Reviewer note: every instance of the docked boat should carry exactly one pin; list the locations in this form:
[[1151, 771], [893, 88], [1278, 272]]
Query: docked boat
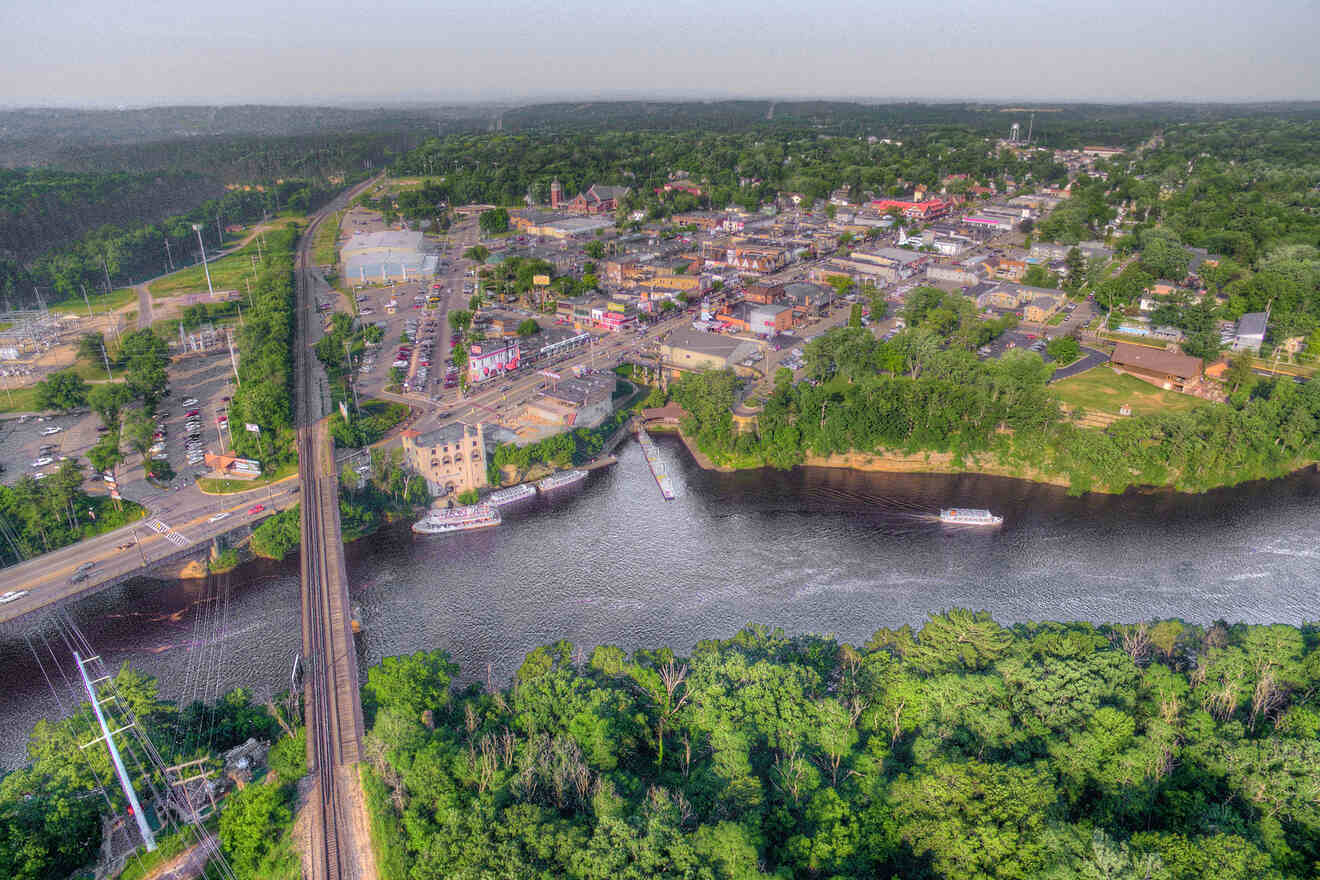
[[968, 516], [508, 496], [561, 479], [457, 519]]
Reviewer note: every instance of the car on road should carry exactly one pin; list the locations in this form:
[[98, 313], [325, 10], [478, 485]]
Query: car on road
[[256, 508], [219, 516], [51, 430], [12, 595], [124, 546], [86, 566], [192, 401]]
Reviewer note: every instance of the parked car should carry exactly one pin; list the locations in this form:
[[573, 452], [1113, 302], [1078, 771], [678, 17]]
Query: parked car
[[192, 401], [51, 430], [43, 461]]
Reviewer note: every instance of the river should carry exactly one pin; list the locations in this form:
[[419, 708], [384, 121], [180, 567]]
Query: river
[[811, 550]]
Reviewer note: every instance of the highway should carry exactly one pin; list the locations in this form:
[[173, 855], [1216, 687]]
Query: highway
[[330, 681]]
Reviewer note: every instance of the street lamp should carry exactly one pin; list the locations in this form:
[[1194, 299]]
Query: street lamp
[[197, 227]]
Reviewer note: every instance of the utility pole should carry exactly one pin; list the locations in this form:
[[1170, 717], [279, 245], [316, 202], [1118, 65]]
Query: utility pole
[[106, 267], [197, 227], [106, 357], [169, 256], [147, 837], [229, 337], [86, 301]]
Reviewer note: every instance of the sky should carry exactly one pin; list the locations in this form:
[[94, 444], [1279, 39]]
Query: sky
[[145, 52]]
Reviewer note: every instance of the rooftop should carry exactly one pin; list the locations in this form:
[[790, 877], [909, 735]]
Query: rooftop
[[1157, 360], [713, 344], [1252, 324]]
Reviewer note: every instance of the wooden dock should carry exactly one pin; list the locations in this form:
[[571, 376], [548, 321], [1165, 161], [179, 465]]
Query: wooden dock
[[658, 470]]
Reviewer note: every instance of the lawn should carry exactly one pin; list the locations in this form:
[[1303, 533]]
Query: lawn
[[1102, 390], [227, 273], [19, 400], [212, 486], [115, 299], [327, 234]]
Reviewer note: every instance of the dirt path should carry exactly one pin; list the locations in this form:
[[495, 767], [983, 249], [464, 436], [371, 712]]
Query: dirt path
[[186, 866], [144, 305]]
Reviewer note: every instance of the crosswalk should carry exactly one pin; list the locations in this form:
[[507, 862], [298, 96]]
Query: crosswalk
[[170, 535]]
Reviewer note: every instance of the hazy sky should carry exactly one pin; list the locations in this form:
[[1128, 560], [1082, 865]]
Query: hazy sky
[[98, 52]]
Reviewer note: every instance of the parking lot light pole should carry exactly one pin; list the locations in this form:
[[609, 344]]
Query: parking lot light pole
[[197, 227]]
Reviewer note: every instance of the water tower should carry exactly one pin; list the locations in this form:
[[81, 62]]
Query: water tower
[[556, 193]]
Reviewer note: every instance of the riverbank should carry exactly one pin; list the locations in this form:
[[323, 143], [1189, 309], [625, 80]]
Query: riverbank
[[946, 464]]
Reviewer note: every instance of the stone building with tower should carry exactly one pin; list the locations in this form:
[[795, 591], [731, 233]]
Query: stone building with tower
[[451, 458]]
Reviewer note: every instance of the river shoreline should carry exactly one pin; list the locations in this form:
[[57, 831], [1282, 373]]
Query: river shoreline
[[942, 464]]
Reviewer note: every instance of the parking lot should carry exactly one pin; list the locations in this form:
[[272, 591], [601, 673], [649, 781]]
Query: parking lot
[[207, 378]]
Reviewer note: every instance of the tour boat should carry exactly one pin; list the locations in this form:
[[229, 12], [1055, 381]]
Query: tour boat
[[457, 519], [561, 479], [967, 516], [509, 496]]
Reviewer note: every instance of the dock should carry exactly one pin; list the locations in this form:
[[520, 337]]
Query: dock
[[657, 466]]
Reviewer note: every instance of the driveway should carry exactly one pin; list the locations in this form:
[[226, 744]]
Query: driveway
[[1090, 358]]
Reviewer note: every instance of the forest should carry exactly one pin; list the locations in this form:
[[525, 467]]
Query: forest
[[916, 393], [963, 749]]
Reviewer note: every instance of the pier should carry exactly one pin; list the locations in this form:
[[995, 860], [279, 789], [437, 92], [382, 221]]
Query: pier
[[661, 475]]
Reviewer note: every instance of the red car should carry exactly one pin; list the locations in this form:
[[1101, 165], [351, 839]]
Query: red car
[[256, 508], [193, 412]]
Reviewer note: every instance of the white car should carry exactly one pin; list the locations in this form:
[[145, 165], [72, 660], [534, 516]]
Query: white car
[[192, 401], [219, 516], [43, 461], [12, 595], [52, 430]]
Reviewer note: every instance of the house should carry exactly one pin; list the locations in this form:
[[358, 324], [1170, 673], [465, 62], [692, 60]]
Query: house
[[451, 458], [1250, 332], [1005, 268], [1169, 370]]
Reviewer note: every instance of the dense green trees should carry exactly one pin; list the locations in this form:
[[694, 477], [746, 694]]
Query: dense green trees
[[64, 390], [277, 536], [264, 396], [961, 750], [911, 394]]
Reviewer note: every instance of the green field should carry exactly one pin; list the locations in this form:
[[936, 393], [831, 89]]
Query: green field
[[1102, 390], [327, 235], [19, 400], [227, 273], [115, 299]]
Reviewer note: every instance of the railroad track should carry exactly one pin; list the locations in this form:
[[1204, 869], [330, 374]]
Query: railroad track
[[334, 710]]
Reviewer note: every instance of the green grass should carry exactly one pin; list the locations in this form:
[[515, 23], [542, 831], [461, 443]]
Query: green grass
[[227, 273], [115, 299], [1104, 391], [19, 400], [95, 371], [6, 325], [213, 486], [327, 234]]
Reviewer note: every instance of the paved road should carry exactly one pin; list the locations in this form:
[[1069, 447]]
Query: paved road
[[1090, 358], [186, 517]]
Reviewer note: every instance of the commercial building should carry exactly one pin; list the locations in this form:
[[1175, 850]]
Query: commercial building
[[452, 458], [1169, 370], [489, 359], [928, 209], [807, 298], [577, 402], [690, 350], [386, 256]]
